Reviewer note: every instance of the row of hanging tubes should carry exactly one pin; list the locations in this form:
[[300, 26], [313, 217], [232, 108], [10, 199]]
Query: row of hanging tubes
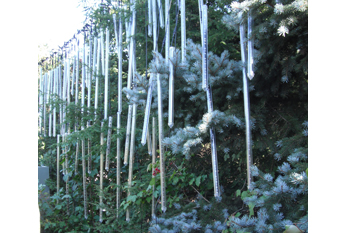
[[52, 83]]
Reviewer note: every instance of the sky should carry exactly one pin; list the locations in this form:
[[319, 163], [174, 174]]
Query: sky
[[58, 21]]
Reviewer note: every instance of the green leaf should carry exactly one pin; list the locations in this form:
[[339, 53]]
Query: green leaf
[[131, 198], [307, 172], [244, 194], [251, 209], [238, 214], [198, 180], [66, 196], [175, 180], [226, 156], [149, 167], [191, 181], [238, 193], [140, 194], [152, 182], [58, 207]]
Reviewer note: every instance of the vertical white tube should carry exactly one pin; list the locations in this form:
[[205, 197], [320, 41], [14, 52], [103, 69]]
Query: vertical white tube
[[207, 88], [40, 101], [132, 152], [161, 17], [183, 31], [149, 18], [44, 100], [106, 74], [109, 134], [102, 53], [171, 89], [83, 67], [127, 139], [147, 111], [89, 74], [54, 106], [246, 107], [250, 47], [120, 65], [161, 147], [167, 30], [49, 102], [97, 76], [77, 84]]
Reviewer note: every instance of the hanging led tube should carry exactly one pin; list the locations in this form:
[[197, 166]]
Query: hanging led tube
[[149, 18], [200, 4], [127, 139], [102, 53], [49, 101], [161, 147], [101, 172], [154, 147], [77, 83], [83, 77], [250, 47], [246, 107], [97, 76], [130, 75], [120, 57], [171, 89], [167, 30], [147, 111], [73, 75], [183, 31], [154, 15], [150, 86], [40, 101], [206, 87], [204, 47], [106, 74], [44, 101], [149, 143], [161, 17], [132, 152], [60, 96], [94, 59], [109, 134], [89, 74], [55, 91], [58, 165], [115, 30], [120, 64]]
